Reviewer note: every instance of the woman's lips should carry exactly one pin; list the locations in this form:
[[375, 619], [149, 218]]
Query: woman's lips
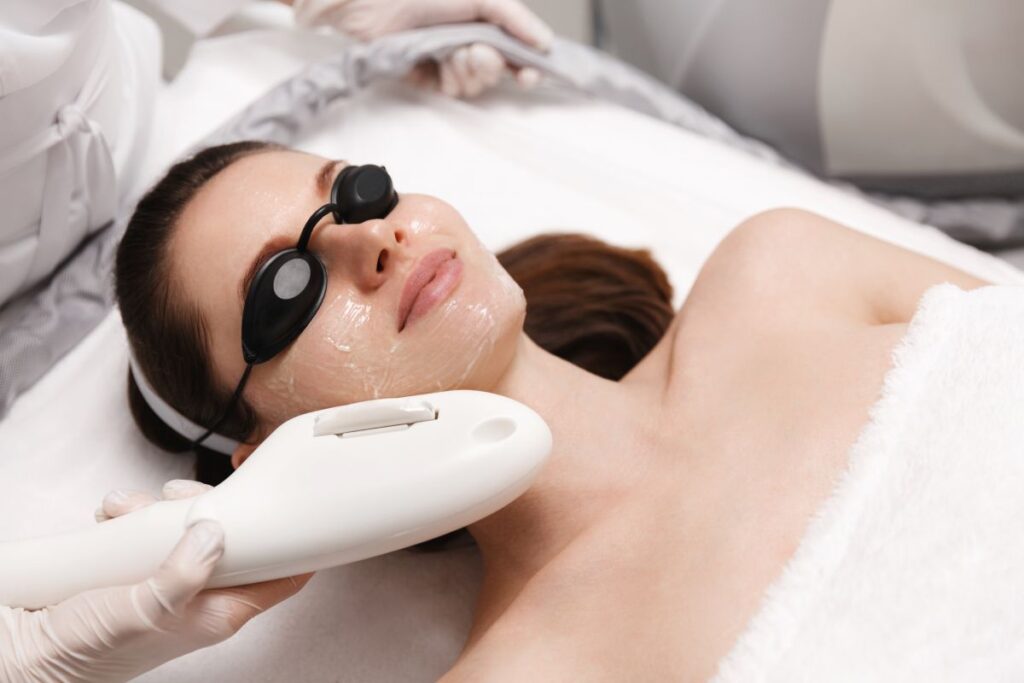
[[431, 281]]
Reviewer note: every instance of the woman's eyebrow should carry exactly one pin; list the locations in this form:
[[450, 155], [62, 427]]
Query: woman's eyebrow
[[271, 247], [325, 176]]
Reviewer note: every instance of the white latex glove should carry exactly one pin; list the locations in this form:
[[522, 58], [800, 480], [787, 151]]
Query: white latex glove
[[115, 634], [469, 70]]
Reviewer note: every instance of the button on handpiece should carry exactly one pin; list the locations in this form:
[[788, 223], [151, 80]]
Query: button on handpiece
[[385, 412]]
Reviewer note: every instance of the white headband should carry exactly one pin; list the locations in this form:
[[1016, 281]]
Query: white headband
[[175, 420]]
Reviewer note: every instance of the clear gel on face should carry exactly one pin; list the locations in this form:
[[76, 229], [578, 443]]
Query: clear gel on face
[[352, 350]]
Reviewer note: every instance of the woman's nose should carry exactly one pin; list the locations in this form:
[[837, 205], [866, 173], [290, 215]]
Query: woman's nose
[[367, 253]]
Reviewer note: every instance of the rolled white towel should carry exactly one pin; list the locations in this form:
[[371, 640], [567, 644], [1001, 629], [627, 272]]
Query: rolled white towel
[[913, 569]]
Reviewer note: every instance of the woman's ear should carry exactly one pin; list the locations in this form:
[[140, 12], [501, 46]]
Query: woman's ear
[[243, 451]]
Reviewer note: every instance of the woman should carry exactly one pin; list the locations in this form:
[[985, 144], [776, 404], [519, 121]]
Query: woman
[[673, 496]]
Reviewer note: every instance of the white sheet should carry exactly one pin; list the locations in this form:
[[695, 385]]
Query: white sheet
[[515, 165]]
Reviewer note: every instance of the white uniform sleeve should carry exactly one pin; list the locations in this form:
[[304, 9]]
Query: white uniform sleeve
[[199, 16]]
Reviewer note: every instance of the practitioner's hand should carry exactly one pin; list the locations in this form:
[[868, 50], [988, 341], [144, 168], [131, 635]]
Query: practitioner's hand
[[115, 634], [221, 610], [469, 70]]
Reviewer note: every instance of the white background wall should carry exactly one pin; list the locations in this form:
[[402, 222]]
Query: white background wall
[[570, 18]]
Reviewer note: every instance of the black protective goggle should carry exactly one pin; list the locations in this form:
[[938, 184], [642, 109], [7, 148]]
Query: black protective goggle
[[289, 287]]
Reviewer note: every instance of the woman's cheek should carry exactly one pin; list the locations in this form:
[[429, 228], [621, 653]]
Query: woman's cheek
[[320, 368], [459, 343], [353, 338], [422, 216], [364, 357], [345, 322], [352, 352], [419, 227]]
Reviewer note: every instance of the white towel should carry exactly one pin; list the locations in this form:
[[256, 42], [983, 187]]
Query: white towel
[[913, 570]]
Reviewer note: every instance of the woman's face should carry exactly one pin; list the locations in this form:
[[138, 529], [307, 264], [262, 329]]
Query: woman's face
[[356, 347]]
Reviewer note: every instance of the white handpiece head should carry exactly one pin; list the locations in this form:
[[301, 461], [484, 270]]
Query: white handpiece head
[[348, 483], [326, 488]]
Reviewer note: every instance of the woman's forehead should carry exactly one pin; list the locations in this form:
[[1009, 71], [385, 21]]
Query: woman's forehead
[[263, 193], [261, 198], [275, 173]]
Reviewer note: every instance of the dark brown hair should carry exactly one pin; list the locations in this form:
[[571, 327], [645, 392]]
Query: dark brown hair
[[167, 335], [597, 306]]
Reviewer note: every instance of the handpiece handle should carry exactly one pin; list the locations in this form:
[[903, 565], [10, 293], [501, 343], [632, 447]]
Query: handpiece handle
[[34, 573]]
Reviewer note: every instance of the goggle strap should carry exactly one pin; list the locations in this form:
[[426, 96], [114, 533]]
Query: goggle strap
[[175, 420], [307, 230], [227, 410]]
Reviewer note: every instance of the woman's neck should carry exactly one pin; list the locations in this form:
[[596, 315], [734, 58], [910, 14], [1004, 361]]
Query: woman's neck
[[598, 427]]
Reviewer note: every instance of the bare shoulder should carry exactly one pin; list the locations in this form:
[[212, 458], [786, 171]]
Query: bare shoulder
[[749, 282], [786, 273], [765, 263], [765, 228], [778, 246], [802, 263]]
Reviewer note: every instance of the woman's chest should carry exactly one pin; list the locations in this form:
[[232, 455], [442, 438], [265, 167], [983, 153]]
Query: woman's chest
[[766, 421], [760, 430], [658, 591], [753, 434], [624, 604]]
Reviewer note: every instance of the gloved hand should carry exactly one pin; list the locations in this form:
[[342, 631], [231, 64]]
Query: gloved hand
[[115, 634], [469, 70]]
